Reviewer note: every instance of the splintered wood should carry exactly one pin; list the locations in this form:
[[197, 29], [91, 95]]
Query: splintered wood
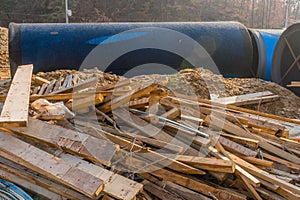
[[137, 139]]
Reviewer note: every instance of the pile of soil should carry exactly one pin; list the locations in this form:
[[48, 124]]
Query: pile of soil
[[204, 84], [4, 60]]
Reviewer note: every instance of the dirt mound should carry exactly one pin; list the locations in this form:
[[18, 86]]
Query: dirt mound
[[4, 61], [204, 84]]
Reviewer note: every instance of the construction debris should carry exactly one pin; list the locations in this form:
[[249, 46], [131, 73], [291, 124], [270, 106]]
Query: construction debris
[[137, 139]]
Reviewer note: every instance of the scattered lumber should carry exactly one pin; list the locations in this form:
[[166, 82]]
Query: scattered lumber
[[135, 139], [15, 109]]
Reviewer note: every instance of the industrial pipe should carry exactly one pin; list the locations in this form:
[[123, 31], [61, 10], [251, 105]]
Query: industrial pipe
[[65, 46], [286, 64], [264, 42]]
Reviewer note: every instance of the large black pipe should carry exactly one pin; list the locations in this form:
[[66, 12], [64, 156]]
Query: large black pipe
[[56, 46], [286, 63], [264, 42]]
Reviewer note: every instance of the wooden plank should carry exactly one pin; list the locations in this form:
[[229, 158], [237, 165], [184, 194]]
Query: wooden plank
[[43, 88], [281, 161], [135, 93], [39, 80], [259, 100], [116, 185], [49, 165], [89, 147], [184, 192], [243, 97], [251, 143], [236, 148], [35, 182], [264, 124], [282, 173], [50, 87], [180, 191], [248, 99], [15, 109], [258, 161], [249, 187], [66, 82], [198, 186], [266, 194], [139, 103], [58, 84], [253, 180], [85, 102], [211, 164], [172, 114], [158, 191], [294, 84], [85, 84]]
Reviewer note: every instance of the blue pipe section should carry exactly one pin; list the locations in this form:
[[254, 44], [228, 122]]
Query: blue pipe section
[[270, 38], [264, 42], [65, 46]]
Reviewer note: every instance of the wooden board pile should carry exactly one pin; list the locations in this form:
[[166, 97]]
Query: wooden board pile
[[136, 139]]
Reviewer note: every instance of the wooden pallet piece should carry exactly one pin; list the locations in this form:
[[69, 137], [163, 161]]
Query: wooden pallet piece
[[49, 165], [89, 147], [42, 89], [50, 87], [15, 109], [76, 88], [58, 83]]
